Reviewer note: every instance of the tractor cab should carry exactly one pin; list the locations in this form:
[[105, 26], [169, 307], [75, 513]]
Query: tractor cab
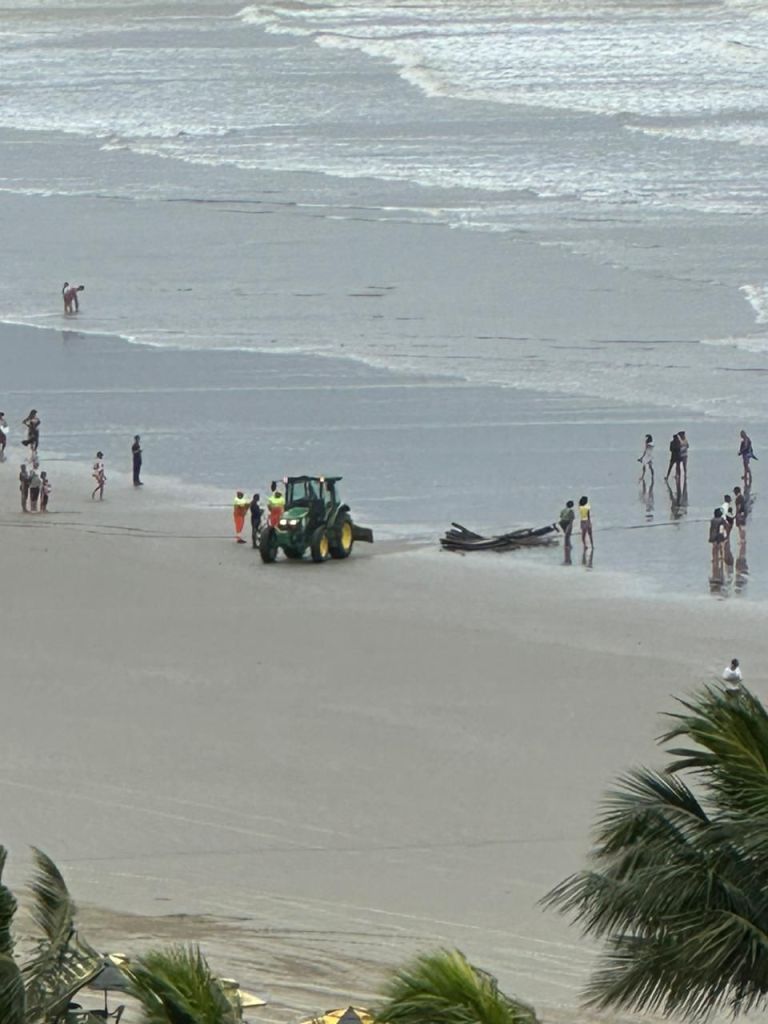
[[309, 498]]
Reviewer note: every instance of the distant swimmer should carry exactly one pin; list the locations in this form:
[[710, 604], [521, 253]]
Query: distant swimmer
[[69, 294]]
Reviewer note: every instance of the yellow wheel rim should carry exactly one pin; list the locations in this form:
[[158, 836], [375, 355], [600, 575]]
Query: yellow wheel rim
[[346, 536], [324, 546]]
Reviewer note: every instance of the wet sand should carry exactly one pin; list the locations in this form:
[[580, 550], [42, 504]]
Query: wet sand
[[318, 770]]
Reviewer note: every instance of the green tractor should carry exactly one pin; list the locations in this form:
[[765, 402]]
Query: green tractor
[[313, 519]]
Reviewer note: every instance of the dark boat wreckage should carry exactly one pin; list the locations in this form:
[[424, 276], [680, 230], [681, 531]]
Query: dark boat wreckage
[[459, 538]]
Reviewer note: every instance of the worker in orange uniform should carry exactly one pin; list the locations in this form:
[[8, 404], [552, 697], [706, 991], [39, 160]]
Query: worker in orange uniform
[[275, 504], [239, 509]]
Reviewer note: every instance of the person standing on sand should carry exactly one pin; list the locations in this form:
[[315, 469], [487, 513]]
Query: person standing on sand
[[275, 504], [729, 513], [684, 446], [256, 514], [585, 519], [34, 490], [69, 294], [740, 508], [240, 506], [24, 486], [567, 515], [45, 491], [646, 459], [732, 678], [136, 456], [747, 454], [3, 434], [717, 536], [100, 476], [674, 458]]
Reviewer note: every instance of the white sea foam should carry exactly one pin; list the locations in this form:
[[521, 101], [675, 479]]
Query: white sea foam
[[757, 297]]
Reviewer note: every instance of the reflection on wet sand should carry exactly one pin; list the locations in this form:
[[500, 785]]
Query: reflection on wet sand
[[678, 500], [567, 553], [646, 496], [587, 556], [728, 575]]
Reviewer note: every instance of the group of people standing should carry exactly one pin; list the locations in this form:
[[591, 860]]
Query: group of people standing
[[568, 516], [34, 484], [242, 505]]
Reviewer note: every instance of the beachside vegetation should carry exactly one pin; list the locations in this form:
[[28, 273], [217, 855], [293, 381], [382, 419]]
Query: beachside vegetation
[[38, 988], [176, 986], [678, 886], [445, 988]]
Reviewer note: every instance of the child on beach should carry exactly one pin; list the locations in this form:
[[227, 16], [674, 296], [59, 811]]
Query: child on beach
[[99, 476], [585, 518], [45, 491]]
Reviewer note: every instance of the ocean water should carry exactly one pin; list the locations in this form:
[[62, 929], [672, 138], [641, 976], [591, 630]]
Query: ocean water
[[499, 198]]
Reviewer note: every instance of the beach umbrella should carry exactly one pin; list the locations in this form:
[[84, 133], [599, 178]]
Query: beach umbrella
[[346, 1015], [239, 998], [111, 978]]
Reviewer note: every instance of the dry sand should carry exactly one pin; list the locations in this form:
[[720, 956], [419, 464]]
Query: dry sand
[[315, 771]]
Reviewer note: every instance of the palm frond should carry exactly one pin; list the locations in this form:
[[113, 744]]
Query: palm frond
[[176, 986], [12, 1001], [7, 911], [678, 885], [445, 988], [61, 962]]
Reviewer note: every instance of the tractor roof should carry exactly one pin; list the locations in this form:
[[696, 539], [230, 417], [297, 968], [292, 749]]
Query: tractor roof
[[319, 479]]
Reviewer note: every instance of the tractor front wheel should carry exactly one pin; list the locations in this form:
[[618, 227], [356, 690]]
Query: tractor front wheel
[[268, 545], [342, 548], [319, 545]]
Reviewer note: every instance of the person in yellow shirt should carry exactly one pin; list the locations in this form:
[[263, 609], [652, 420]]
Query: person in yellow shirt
[[585, 519], [239, 508], [275, 504]]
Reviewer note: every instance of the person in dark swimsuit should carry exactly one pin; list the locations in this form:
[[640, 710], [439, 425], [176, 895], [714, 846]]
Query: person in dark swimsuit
[[674, 457]]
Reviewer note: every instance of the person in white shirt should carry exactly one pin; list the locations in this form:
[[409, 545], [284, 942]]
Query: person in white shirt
[[732, 676]]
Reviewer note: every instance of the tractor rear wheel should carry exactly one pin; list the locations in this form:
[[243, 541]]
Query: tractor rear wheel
[[342, 547], [319, 545], [268, 545]]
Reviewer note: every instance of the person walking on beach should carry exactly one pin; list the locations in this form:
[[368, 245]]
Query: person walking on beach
[[732, 678], [100, 476], [585, 519], [24, 486], [567, 515], [45, 491], [69, 293], [747, 454], [740, 508], [646, 459], [684, 446], [729, 513], [275, 504], [34, 490], [3, 435], [239, 508], [674, 458], [32, 423], [136, 456]]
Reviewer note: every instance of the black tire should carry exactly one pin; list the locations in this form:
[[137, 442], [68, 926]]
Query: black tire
[[319, 545], [268, 545], [344, 542], [255, 536]]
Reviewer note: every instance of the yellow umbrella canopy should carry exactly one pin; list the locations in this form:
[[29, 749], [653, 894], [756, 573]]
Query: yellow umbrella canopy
[[346, 1015]]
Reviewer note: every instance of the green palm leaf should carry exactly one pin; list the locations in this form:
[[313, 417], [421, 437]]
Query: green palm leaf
[[678, 888], [12, 1001], [176, 986], [7, 910], [445, 988]]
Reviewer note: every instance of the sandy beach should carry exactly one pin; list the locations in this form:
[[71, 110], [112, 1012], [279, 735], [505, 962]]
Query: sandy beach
[[318, 770]]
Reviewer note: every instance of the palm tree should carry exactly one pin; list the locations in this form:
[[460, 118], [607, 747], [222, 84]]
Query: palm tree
[[679, 888], [38, 990], [445, 988], [176, 986]]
